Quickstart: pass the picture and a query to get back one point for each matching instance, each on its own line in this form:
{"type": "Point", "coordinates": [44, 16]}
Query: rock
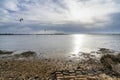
{"type": "Point", "coordinates": [5, 52]}
{"type": "Point", "coordinates": [92, 78]}
{"type": "Point", "coordinates": [104, 50]}
{"type": "Point", "coordinates": [26, 54]}
{"type": "Point", "coordinates": [111, 64]}
{"type": "Point", "coordinates": [105, 77]}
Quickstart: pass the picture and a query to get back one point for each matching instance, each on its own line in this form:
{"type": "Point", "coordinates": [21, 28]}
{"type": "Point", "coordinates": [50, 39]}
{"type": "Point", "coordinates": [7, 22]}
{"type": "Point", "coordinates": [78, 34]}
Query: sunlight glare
{"type": "Point", "coordinates": [78, 41]}
{"type": "Point", "coordinates": [80, 12]}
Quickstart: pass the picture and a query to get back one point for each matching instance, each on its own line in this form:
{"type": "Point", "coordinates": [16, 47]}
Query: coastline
{"type": "Point", "coordinates": [29, 68]}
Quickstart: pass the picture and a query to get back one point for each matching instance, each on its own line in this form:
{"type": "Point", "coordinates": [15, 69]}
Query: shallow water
{"type": "Point", "coordinates": [59, 45]}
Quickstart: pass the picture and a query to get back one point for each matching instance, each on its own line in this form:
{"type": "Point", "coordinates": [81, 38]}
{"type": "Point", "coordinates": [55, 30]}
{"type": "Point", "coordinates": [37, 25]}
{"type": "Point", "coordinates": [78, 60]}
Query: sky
{"type": "Point", "coordinates": [60, 16]}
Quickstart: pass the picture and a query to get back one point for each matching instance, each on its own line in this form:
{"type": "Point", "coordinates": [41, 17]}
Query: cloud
{"type": "Point", "coordinates": [60, 11]}
{"type": "Point", "coordinates": [9, 5]}
{"type": "Point", "coordinates": [63, 15]}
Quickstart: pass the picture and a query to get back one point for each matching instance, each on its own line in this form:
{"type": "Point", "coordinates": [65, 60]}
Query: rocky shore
{"type": "Point", "coordinates": [25, 67]}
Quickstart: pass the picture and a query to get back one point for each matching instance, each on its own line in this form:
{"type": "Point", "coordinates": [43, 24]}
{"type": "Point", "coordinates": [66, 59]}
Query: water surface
{"type": "Point", "coordinates": [59, 45]}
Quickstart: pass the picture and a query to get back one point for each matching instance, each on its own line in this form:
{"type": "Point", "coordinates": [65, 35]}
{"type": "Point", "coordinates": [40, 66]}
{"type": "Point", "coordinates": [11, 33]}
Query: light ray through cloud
{"type": "Point", "coordinates": [81, 13]}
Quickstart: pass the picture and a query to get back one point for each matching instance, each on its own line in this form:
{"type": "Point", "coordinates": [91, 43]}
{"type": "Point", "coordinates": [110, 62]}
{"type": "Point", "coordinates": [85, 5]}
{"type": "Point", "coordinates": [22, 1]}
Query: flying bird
{"type": "Point", "coordinates": [21, 19]}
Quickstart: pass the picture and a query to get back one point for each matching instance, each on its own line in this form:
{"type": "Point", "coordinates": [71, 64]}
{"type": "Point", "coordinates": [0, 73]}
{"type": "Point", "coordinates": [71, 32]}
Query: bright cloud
{"type": "Point", "coordinates": [9, 5]}
{"type": "Point", "coordinates": [59, 12]}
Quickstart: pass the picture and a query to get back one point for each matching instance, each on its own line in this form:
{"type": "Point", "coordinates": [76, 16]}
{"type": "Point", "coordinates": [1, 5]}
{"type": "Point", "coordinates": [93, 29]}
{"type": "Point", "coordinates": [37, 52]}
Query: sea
{"type": "Point", "coordinates": [59, 45]}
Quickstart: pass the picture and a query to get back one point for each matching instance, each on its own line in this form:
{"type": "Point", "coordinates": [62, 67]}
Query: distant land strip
{"type": "Point", "coordinates": [35, 34]}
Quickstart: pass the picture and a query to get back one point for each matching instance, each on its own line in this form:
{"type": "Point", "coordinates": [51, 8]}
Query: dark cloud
{"type": "Point", "coordinates": [114, 26]}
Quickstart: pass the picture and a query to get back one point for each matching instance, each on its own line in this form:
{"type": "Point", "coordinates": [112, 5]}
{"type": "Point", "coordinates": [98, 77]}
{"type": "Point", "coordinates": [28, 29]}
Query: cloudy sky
{"type": "Point", "coordinates": [68, 16]}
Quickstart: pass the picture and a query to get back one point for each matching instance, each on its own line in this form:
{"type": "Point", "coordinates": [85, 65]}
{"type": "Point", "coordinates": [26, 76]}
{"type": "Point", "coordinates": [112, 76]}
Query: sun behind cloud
{"type": "Point", "coordinates": [80, 13]}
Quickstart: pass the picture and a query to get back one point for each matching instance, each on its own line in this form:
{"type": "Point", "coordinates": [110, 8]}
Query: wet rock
{"type": "Point", "coordinates": [111, 64]}
{"type": "Point", "coordinates": [104, 50]}
{"type": "Point", "coordinates": [5, 52]}
{"type": "Point", "coordinates": [26, 54]}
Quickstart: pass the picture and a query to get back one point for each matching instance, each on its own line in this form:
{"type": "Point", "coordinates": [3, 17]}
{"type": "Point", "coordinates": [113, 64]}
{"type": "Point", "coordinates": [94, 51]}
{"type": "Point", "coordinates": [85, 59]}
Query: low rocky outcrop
{"type": "Point", "coordinates": [26, 54]}
{"type": "Point", "coordinates": [105, 51]}
{"type": "Point", "coordinates": [111, 64]}
{"type": "Point", "coordinates": [5, 52]}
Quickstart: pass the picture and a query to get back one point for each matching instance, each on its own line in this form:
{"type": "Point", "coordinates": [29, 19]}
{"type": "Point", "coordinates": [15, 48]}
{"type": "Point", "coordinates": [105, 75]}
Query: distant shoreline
{"type": "Point", "coordinates": [37, 34]}
{"type": "Point", "coordinates": [60, 34]}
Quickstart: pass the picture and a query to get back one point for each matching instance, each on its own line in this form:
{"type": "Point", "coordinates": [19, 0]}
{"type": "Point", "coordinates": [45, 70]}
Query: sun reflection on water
{"type": "Point", "coordinates": [78, 41]}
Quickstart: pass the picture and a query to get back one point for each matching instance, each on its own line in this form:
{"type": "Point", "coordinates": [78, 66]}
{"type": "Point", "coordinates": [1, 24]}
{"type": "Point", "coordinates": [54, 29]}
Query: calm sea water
{"type": "Point", "coordinates": [60, 45]}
